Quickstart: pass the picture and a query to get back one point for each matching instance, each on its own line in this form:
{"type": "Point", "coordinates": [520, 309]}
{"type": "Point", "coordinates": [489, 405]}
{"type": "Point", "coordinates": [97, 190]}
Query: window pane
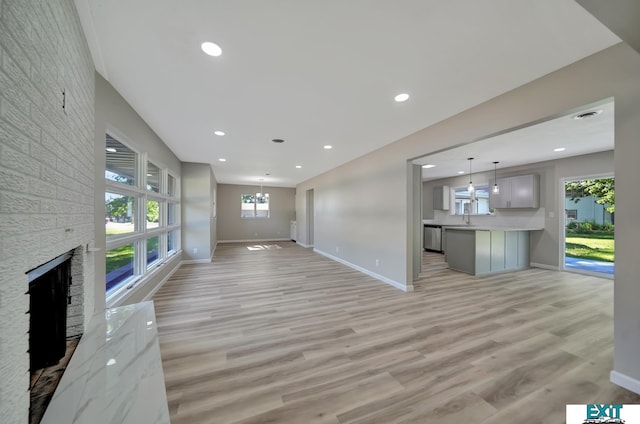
{"type": "Point", "coordinates": [119, 213]}
{"type": "Point", "coordinates": [482, 200]}
{"type": "Point", "coordinates": [171, 213]}
{"type": "Point", "coordinates": [478, 201]}
{"type": "Point", "coordinates": [171, 241]}
{"type": "Point", "coordinates": [153, 178]}
{"type": "Point", "coordinates": [153, 214]}
{"type": "Point", "coordinates": [152, 250]}
{"type": "Point", "coordinates": [121, 162]}
{"type": "Point", "coordinates": [262, 206]}
{"type": "Point", "coordinates": [247, 206]}
{"type": "Point", "coordinates": [171, 186]}
{"type": "Point", "coordinates": [119, 265]}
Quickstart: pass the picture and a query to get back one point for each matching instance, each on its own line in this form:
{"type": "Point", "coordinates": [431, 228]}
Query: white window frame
{"type": "Point", "coordinates": [142, 272]}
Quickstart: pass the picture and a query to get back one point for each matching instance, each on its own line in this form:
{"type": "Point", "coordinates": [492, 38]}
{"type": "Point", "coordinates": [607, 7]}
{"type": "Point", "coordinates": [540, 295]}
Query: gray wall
{"type": "Point", "coordinates": [114, 115]}
{"type": "Point", "coordinates": [231, 227]}
{"type": "Point", "coordinates": [198, 185]}
{"type": "Point", "coordinates": [545, 245]}
{"type": "Point", "coordinates": [377, 226]}
{"type": "Point", "coordinates": [46, 169]}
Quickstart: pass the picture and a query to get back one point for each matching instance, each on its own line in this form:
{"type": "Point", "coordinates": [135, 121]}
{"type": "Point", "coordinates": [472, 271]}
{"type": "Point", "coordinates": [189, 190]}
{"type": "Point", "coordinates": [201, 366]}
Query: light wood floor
{"type": "Point", "coordinates": [283, 335]}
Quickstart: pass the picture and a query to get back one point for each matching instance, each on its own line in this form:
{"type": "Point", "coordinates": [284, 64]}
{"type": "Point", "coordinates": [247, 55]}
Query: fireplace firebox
{"type": "Point", "coordinates": [48, 300]}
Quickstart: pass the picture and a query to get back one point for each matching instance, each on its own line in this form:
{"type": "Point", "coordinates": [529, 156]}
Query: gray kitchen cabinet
{"type": "Point", "coordinates": [522, 191]}
{"type": "Point", "coordinates": [480, 252]}
{"type": "Point", "coordinates": [441, 198]}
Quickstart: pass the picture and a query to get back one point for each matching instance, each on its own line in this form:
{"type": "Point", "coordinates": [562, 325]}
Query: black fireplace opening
{"type": "Point", "coordinates": [48, 299]}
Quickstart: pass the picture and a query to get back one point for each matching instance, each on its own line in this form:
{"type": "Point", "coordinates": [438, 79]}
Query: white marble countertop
{"type": "Point", "coordinates": [488, 228]}
{"type": "Point", "coordinates": [115, 374]}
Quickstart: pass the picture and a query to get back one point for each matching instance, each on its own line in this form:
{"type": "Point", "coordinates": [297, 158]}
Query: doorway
{"type": "Point", "coordinates": [310, 216]}
{"type": "Point", "coordinates": [589, 224]}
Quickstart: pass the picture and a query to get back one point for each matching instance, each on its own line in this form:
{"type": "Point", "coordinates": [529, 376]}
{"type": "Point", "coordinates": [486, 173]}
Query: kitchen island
{"type": "Point", "coordinates": [485, 250]}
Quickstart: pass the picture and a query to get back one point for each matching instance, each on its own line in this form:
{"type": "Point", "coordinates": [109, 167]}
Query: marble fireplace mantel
{"type": "Point", "coordinates": [115, 374]}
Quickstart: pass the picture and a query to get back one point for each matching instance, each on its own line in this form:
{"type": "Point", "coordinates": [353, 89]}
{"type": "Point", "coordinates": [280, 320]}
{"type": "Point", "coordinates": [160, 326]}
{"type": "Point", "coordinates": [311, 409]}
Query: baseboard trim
{"type": "Point", "coordinates": [196, 261]}
{"type": "Point", "coordinates": [306, 246]}
{"type": "Point", "coordinates": [382, 278]}
{"type": "Point", "coordinates": [625, 381]}
{"type": "Point", "coordinates": [254, 240]}
{"type": "Point", "coordinates": [544, 266]}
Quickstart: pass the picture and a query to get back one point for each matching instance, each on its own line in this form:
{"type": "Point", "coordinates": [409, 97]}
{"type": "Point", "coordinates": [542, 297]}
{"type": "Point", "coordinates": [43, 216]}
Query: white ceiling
{"type": "Point", "coordinates": [535, 143]}
{"type": "Point", "coordinates": [321, 72]}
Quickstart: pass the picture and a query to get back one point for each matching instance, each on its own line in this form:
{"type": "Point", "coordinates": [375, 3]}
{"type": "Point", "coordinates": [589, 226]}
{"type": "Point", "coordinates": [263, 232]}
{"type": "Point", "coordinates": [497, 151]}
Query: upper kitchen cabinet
{"type": "Point", "coordinates": [441, 198]}
{"type": "Point", "coordinates": [522, 191]}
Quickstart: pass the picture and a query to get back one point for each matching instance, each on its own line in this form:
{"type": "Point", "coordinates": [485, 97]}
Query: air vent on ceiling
{"type": "Point", "coordinates": [589, 114]}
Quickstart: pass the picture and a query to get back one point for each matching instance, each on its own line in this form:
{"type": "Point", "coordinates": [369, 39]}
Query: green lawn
{"type": "Point", "coordinates": [123, 255]}
{"type": "Point", "coordinates": [594, 246]}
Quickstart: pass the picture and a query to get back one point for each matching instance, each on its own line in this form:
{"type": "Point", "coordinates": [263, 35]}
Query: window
{"type": "Point", "coordinates": [142, 216]}
{"type": "Point", "coordinates": [121, 165]}
{"type": "Point", "coordinates": [477, 201]}
{"type": "Point", "coordinates": [118, 212]}
{"type": "Point", "coordinates": [153, 178]}
{"type": "Point", "coordinates": [571, 213]}
{"type": "Point", "coordinates": [254, 206]}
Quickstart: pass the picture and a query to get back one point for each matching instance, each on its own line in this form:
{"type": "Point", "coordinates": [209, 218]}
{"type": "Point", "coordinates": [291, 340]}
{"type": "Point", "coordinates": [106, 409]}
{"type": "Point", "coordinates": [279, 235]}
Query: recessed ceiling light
{"type": "Point", "coordinates": [460, 172]}
{"type": "Point", "coordinates": [111, 149]}
{"type": "Point", "coordinates": [149, 175]}
{"type": "Point", "coordinates": [559, 149]}
{"type": "Point", "coordinates": [222, 160]}
{"type": "Point", "coordinates": [219, 133]}
{"type": "Point", "coordinates": [212, 49]}
{"type": "Point", "coordinates": [589, 114]}
{"type": "Point", "coordinates": [328, 147]}
{"type": "Point", "coordinates": [298, 166]}
{"type": "Point", "coordinates": [428, 166]}
{"type": "Point", "coordinates": [403, 97]}
{"type": "Point", "coordinates": [278, 140]}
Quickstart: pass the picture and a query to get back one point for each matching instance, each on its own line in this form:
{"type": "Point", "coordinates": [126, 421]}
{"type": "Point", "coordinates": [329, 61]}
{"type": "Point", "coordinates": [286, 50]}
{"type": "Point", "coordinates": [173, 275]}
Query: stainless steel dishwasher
{"type": "Point", "coordinates": [433, 237]}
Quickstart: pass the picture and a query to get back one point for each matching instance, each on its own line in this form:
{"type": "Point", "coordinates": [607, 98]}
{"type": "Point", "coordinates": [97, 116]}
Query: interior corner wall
{"type": "Point", "coordinates": [232, 227]}
{"type": "Point", "coordinates": [114, 115]}
{"type": "Point", "coordinates": [198, 186]}
{"type": "Point", "coordinates": [46, 169]}
{"type": "Point", "coordinates": [348, 218]}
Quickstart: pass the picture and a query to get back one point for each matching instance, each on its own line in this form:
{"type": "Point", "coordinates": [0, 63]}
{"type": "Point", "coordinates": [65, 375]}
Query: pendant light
{"type": "Point", "coordinates": [496, 188]}
{"type": "Point", "coordinates": [470, 188]}
{"type": "Point", "coordinates": [259, 195]}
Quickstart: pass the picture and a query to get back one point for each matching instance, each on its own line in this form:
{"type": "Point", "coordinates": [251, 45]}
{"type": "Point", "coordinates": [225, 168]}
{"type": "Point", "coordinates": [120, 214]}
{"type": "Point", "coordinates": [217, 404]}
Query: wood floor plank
{"type": "Point", "coordinates": [274, 333]}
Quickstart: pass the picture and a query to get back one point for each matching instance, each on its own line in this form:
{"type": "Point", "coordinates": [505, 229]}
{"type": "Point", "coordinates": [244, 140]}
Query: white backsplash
{"type": "Point", "coordinates": [518, 218]}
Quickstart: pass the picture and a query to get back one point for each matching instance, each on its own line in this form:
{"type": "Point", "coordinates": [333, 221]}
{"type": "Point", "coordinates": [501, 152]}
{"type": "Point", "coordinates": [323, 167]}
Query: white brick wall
{"type": "Point", "coordinates": [46, 168]}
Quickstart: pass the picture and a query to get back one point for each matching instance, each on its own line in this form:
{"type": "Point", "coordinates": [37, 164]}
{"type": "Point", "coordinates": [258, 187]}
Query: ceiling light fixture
{"type": "Point", "coordinates": [496, 188]}
{"type": "Point", "coordinates": [460, 172]}
{"type": "Point", "coordinates": [427, 166]}
{"type": "Point", "coordinates": [298, 166]}
{"type": "Point", "coordinates": [402, 97]}
{"type": "Point", "coordinates": [222, 160]}
{"type": "Point", "coordinates": [470, 188]}
{"type": "Point", "coordinates": [111, 149]}
{"type": "Point", "coordinates": [212, 49]}
{"type": "Point", "coordinates": [219, 133]}
{"type": "Point", "coordinates": [260, 195]}
{"type": "Point", "coordinates": [559, 149]}
{"type": "Point", "coordinates": [328, 147]}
